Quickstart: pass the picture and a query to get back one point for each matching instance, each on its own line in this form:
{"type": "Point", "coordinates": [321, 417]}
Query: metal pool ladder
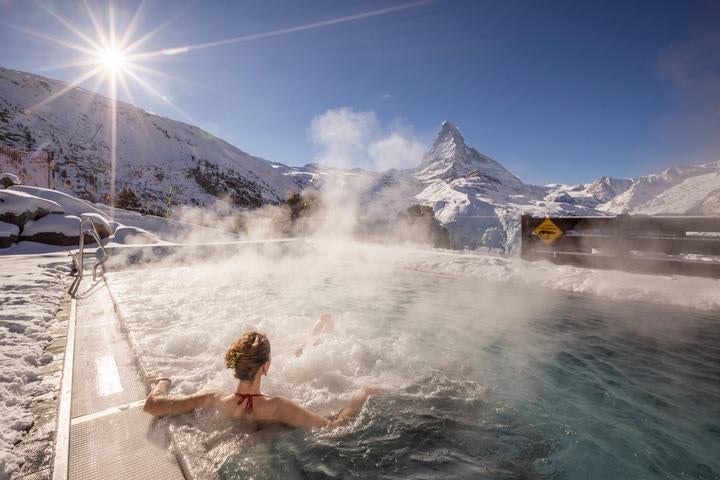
{"type": "Point", "coordinates": [87, 226]}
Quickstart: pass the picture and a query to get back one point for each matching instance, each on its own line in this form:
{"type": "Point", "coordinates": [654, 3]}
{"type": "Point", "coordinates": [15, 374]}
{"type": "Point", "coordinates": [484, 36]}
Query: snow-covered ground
{"type": "Point", "coordinates": [31, 287]}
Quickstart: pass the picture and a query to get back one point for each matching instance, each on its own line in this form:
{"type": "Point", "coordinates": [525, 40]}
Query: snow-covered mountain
{"type": "Point", "coordinates": [682, 190]}
{"type": "Point", "coordinates": [476, 198]}
{"type": "Point", "coordinates": [159, 160]}
{"type": "Point", "coordinates": [605, 188]}
{"type": "Point", "coordinates": [480, 201]}
{"type": "Point", "coordinates": [450, 158]}
{"type": "Point", "coordinates": [162, 160]}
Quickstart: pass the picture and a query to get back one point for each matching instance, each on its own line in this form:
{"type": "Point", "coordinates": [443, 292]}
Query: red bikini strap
{"type": "Point", "coordinates": [247, 399]}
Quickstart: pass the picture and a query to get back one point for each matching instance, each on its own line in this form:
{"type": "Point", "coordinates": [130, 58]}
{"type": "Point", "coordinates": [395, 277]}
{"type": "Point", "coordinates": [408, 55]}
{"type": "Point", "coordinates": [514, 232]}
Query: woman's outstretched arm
{"type": "Point", "coordinates": [353, 407]}
{"type": "Point", "coordinates": [160, 403]}
{"type": "Point", "coordinates": [292, 414]}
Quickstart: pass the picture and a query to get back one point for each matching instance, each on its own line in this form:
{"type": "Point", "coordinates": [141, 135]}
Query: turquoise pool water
{"type": "Point", "coordinates": [482, 381]}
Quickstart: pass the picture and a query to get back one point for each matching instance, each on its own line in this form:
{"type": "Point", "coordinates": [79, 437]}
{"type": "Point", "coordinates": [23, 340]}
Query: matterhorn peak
{"type": "Point", "coordinates": [449, 132]}
{"type": "Point", "coordinates": [451, 158]}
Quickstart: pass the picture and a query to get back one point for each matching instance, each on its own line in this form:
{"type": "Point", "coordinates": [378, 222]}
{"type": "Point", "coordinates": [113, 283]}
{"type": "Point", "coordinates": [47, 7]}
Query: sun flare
{"type": "Point", "coordinates": [113, 59]}
{"type": "Point", "coordinates": [112, 56]}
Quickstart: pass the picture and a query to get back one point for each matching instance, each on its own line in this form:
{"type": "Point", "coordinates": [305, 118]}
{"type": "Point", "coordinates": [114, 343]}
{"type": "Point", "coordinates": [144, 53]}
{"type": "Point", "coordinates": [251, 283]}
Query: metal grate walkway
{"type": "Point", "coordinates": [110, 436]}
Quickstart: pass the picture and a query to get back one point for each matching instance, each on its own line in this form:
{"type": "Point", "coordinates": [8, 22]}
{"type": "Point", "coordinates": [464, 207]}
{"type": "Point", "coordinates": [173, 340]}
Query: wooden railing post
{"type": "Point", "coordinates": [525, 236]}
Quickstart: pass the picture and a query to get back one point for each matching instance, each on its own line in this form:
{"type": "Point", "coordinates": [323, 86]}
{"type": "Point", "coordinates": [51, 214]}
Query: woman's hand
{"type": "Point", "coordinates": [354, 406]}
{"type": "Point", "coordinates": [155, 378]}
{"type": "Point", "coordinates": [157, 384]}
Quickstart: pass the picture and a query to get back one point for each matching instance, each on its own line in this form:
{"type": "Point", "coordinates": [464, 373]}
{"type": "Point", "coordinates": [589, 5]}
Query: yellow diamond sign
{"type": "Point", "coordinates": [548, 232]}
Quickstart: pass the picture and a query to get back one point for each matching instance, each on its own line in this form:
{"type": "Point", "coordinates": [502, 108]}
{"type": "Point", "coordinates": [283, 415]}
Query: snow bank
{"type": "Point", "coordinates": [66, 225]}
{"type": "Point", "coordinates": [70, 205]}
{"type": "Point", "coordinates": [104, 226]}
{"type": "Point", "coordinates": [63, 228]}
{"type": "Point", "coordinates": [30, 291]}
{"type": "Point", "coordinates": [73, 206]}
{"type": "Point", "coordinates": [19, 207]}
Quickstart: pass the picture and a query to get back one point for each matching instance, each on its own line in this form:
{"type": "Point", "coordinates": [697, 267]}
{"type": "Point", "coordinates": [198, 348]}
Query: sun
{"type": "Point", "coordinates": [113, 59]}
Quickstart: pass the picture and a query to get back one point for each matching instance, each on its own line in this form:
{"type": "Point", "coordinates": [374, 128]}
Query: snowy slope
{"type": "Point", "coordinates": [154, 154]}
{"type": "Point", "coordinates": [605, 188]}
{"type": "Point", "coordinates": [303, 177]}
{"type": "Point", "coordinates": [691, 190]}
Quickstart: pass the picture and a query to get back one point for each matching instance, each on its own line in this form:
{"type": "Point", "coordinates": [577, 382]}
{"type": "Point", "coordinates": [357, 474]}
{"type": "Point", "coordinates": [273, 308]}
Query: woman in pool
{"type": "Point", "coordinates": [249, 358]}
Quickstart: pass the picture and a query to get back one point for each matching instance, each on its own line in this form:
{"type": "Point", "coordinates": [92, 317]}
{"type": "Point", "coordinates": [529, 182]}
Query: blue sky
{"type": "Point", "coordinates": [559, 91]}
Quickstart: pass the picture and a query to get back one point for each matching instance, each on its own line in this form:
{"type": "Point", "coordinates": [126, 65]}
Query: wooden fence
{"type": "Point", "coordinates": [35, 168]}
{"type": "Point", "coordinates": [681, 245]}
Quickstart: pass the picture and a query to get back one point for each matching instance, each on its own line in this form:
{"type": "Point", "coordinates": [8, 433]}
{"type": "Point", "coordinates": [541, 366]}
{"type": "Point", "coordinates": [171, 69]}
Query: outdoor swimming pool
{"type": "Point", "coordinates": [481, 380]}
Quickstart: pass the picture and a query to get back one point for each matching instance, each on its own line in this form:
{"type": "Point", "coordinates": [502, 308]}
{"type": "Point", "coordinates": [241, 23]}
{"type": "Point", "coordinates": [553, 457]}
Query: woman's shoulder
{"type": "Point", "coordinates": [274, 405]}
{"type": "Point", "coordinates": [213, 397]}
{"type": "Point", "coordinates": [277, 401]}
{"type": "Point", "coordinates": [212, 393]}
{"type": "Point", "coordinates": [291, 413]}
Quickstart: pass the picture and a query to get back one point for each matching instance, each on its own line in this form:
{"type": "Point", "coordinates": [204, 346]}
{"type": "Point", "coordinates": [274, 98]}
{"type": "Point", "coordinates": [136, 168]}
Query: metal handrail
{"type": "Point", "coordinates": [87, 226]}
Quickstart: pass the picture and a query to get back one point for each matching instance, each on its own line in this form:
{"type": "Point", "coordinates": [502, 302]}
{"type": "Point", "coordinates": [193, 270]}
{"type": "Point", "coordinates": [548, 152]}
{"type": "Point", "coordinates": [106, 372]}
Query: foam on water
{"type": "Point", "coordinates": [481, 381]}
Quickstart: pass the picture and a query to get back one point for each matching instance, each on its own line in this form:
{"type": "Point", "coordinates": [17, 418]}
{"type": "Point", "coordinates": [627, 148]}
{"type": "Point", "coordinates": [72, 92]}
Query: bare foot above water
{"type": "Point", "coordinates": [323, 326]}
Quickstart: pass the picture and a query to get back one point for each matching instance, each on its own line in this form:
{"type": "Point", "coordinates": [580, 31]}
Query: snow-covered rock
{"type": "Point", "coordinates": [159, 160]}
{"type": "Point", "coordinates": [9, 234]}
{"type": "Point", "coordinates": [19, 207]}
{"type": "Point", "coordinates": [70, 205]}
{"type": "Point", "coordinates": [8, 179]}
{"type": "Point", "coordinates": [53, 229]}
{"type": "Point", "coordinates": [103, 225]}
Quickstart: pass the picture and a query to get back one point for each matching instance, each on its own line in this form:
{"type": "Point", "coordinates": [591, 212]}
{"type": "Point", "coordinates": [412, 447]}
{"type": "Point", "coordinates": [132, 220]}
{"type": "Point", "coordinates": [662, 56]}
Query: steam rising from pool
{"type": "Point", "coordinates": [481, 380]}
